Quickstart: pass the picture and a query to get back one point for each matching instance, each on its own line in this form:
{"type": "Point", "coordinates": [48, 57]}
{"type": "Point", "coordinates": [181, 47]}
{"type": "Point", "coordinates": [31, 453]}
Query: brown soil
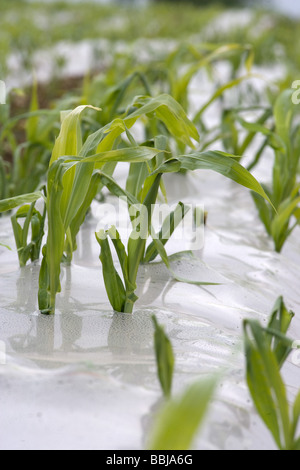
{"type": "Point", "coordinates": [47, 94]}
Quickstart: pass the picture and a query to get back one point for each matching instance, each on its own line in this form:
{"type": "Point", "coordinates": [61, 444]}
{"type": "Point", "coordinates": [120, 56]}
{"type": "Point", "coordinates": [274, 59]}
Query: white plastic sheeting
{"type": "Point", "coordinates": [86, 378]}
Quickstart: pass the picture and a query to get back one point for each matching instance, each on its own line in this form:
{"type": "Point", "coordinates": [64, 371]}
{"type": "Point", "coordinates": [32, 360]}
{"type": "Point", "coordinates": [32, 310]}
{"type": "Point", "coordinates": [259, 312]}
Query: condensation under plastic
{"type": "Point", "coordinates": [86, 377]}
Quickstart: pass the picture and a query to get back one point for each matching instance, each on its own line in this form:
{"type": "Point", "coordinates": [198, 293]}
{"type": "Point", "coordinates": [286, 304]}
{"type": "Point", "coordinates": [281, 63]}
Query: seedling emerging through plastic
{"type": "Point", "coordinates": [73, 181]}
{"type": "Point", "coordinates": [76, 171]}
{"type": "Point", "coordinates": [121, 293]}
{"type": "Point", "coordinates": [285, 191]}
{"type": "Point", "coordinates": [266, 351]}
{"type": "Point", "coordinates": [164, 358]}
{"type": "Point", "coordinates": [32, 219]}
{"type": "Point", "coordinates": [176, 424]}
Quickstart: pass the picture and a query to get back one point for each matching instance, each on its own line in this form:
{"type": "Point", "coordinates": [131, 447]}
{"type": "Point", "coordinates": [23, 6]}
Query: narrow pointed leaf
{"type": "Point", "coordinates": [69, 141]}
{"type": "Point", "coordinates": [113, 283]}
{"type": "Point", "coordinates": [280, 321]}
{"type": "Point", "coordinates": [5, 246]}
{"type": "Point", "coordinates": [169, 225]}
{"type": "Point", "coordinates": [178, 422]}
{"type": "Point", "coordinates": [164, 358]}
{"type": "Point", "coordinates": [260, 389]}
{"type": "Point", "coordinates": [11, 203]}
{"type": "Point", "coordinates": [170, 112]}
{"type": "Point", "coordinates": [137, 240]}
{"type": "Point", "coordinates": [32, 121]}
{"type": "Point", "coordinates": [296, 418]}
{"type": "Point", "coordinates": [137, 154]}
{"type": "Point", "coordinates": [222, 163]}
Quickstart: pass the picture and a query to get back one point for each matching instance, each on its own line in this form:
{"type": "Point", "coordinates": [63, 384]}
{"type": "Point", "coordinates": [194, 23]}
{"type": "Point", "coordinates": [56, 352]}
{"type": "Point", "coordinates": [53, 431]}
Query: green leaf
{"type": "Point", "coordinates": [170, 112]}
{"type": "Point", "coordinates": [280, 224]}
{"type": "Point", "coordinates": [180, 86]}
{"type": "Point", "coordinates": [115, 95]}
{"type": "Point", "coordinates": [44, 283]}
{"type": "Point", "coordinates": [219, 93]}
{"type": "Point", "coordinates": [69, 141]}
{"type": "Point", "coordinates": [255, 128]}
{"type": "Point", "coordinates": [113, 283]}
{"type": "Point", "coordinates": [169, 225]}
{"type": "Point", "coordinates": [138, 173]}
{"type": "Point", "coordinates": [12, 203]}
{"type": "Point", "coordinates": [131, 298]}
{"type": "Point", "coordinates": [220, 162]}
{"type": "Point", "coordinates": [176, 425]}
{"type": "Point", "coordinates": [297, 445]}
{"type": "Point", "coordinates": [103, 139]}
{"type": "Point", "coordinates": [131, 155]}
{"type": "Point", "coordinates": [80, 216]}
{"type": "Point", "coordinates": [265, 383]}
{"type": "Point", "coordinates": [280, 322]}
{"type": "Point", "coordinates": [5, 246]}
{"type": "Point", "coordinates": [260, 389]}
{"type": "Point", "coordinates": [264, 211]}
{"type": "Point", "coordinates": [54, 249]}
{"type": "Point", "coordinates": [284, 110]}
{"type": "Point", "coordinates": [68, 197]}
{"type": "Point", "coordinates": [77, 193]}
{"type": "Point", "coordinates": [160, 250]}
{"type": "Point", "coordinates": [21, 234]}
{"type": "Point", "coordinates": [296, 419]}
{"type": "Point", "coordinates": [252, 134]}
{"type": "Point", "coordinates": [32, 121]}
{"type": "Point", "coordinates": [122, 298]}
{"type": "Point", "coordinates": [116, 189]}
{"type": "Point", "coordinates": [164, 358]}
{"type": "Point", "coordinates": [3, 179]}
{"type": "Point", "coordinates": [138, 238]}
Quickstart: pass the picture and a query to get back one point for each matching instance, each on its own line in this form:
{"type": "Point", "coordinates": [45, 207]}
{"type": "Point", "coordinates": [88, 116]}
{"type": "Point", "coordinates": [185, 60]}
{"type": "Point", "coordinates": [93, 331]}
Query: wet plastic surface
{"type": "Point", "coordinates": [86, 378]}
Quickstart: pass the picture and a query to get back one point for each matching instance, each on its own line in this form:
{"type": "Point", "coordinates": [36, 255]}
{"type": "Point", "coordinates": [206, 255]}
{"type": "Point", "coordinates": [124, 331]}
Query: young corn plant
{"type": "Point", "coordinates": [73, 180]}
{"type": "Point", "coordinates": [285, 190]}
{"type": "Point", "coordinates": [75, 173]}
{"type": "Point", "coordinates": [197, 58]}
{"type": "Point", "coordinates": [142, 188]}
{"type": "Point", "coordinates": [121, 100]}
{"type": "Point", "coordinates": [142, 197]}
{"type": "Point", "coordinates": [122, 295]}
{"type": "Point", "coordinates": [35, 221]}
{"type": "Point", "coordinates": [176, 424]}
{"type": "Point", "coordinates": [266, 351]}
{"type": "Point", "coordinates": [121, 292]}
{"type": "Point", "coordinates": [176, 72]}
{"type": "Point", "coordinates": [76, 170]}
{"type": "Point", "coordinates": [168, 75]}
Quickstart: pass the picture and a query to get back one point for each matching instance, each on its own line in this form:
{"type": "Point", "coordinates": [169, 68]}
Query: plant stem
{"type": "Point", "coordinates": [128, 307]}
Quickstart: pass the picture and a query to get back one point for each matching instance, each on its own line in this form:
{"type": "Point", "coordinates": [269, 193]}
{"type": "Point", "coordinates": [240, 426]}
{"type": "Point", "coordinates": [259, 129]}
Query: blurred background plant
{"type": "Point", "coordinates": [106, 53]}
{"type": "Point", "coordinates": [23, 33]}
